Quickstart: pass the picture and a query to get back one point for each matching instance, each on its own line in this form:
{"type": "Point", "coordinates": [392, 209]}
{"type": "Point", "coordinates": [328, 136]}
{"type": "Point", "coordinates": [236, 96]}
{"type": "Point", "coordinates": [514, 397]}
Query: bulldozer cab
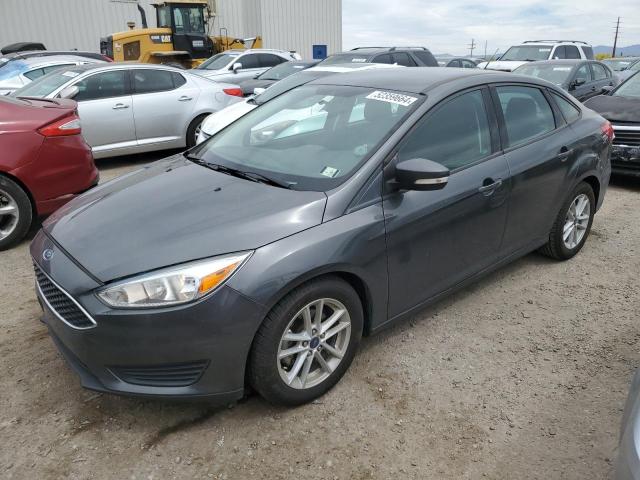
{"type": "Point", "coordinates": [187, 21]}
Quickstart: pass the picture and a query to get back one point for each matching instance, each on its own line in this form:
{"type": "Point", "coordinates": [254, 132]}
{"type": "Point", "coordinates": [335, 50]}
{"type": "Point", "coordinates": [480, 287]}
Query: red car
{"type": "Point", "coordinates": [44, 162]}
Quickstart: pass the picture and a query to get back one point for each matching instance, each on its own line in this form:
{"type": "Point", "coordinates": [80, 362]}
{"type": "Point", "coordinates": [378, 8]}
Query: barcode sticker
{"type": "Point", "coordinates": [391, 97]}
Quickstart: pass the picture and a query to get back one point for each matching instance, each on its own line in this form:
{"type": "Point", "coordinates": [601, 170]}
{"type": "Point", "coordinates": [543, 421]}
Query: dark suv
{"type": "Point", "coordinates": [406, 56]}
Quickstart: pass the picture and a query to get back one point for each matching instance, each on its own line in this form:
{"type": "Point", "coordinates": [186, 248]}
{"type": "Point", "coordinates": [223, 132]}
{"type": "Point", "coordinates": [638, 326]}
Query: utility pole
{"type": "Point", "coordinates": [485, 49]}
{"type": "Point", "coordinates": [472, 47]}
{"type": "Point", "coordinates": [615, 40]}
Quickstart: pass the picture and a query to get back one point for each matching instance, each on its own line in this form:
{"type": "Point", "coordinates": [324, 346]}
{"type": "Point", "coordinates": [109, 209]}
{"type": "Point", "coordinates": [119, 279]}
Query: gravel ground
{"type": "Point", "coordinates": [521, 376]}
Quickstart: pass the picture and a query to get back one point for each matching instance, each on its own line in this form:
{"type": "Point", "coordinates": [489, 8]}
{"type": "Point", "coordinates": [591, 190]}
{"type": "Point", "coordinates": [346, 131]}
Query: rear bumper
{"type": "Point", "coordinates": [46, 207]}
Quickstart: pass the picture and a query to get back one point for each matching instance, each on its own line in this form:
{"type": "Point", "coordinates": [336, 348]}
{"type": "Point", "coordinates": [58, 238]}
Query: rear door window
{"type": "Point", "coordinates": [426, 57]}
{"type": "Point", "coordinates": [456, 134]}
{"type": "Point", "coordinates": [102, 85]}
{"type": "Point", "coordinates": [526, 112]}
{"type": "Point", "coordinates": [151, 81]}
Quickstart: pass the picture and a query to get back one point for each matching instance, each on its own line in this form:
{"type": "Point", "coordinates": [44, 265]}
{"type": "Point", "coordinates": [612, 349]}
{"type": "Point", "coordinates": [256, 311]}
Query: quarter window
{"type": "Point", "coordinates": [33, 74]}
{"type": "Point", "coordinates": [569, 111]}
{"type": "Point", "coordinates": [526, 112]}
{"type": "Point", "coordinates": [102, 85]}
{"type": "Point", "coordinates": [386, 58]}
{"type": "Point", "coordinates": [150, 81]}
{"type": "Point", "coordinates": [456, 134]}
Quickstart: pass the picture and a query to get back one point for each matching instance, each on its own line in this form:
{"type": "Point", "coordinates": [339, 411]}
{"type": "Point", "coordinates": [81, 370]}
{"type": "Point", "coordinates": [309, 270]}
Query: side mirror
{"type": "Point", "coordinates": [258, 90]}
{"type": "Point", "coordinates": [69, 92]}
{"type": "Point", "coordinates": [236, 66]}
{"type": "Point", "coordinates": [579, 81]}
{"type": "Point", "coordinates": [421, 174]}
{"type": "Point", "coordinates": [607, 89]}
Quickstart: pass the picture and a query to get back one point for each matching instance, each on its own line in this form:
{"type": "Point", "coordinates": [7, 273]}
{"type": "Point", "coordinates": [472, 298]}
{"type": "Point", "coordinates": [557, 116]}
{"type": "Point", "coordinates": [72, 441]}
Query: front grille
{"type": "Point", "coordinates": [62, 305]}
{"type": "Point", "coordinates": [176, 375]}
{"type": "Point", "coordinates": [626, 137]}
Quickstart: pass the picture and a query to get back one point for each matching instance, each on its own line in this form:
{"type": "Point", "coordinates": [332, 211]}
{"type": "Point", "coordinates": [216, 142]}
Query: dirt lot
{"type": "Point", "coordinates": [522, 376]}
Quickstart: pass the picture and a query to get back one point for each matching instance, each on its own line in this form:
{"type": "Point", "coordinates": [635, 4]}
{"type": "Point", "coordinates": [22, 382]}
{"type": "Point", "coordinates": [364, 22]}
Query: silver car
{"type": "Point", "coordinates": [236, 65]}
{"type": "Point", "coordinates": [16, 74]}
{"type": "Point", "coordinates": [131, 108]}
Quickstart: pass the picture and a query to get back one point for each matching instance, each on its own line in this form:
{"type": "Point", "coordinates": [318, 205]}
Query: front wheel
{"type": "Point", "coordinates": [15, 213]}
{"type": "Point", "coordinates": [306, 342]}
{"type": "Point", "coordinates": [573, 224]}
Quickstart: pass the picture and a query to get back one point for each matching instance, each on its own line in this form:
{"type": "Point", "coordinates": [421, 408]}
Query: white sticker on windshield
{"type": "Point", "coordinates": [71, 74]}
{"type": "Point", "coordinates": [391, 97]}
{"type": "Point", "coordinates": [544, 49]}
{"type": "Point", "coordinates": [358, 60]}
{"type": "Point", "coordinates": [329, 172]}
{"type": "Point", "coordinates": [561, 69]}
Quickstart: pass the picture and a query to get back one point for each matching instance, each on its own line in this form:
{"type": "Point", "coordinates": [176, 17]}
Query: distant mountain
{"type": "Point", "coordinates": [631, 50]}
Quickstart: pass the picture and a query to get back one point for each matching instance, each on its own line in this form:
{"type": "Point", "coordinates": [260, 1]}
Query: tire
{"type": "Point", "coordinates": [559, 248]}
{"type": "Point", "coordinates": [16, 221]}
{"type": "Point", "coordinates": [192, 131]}
{"type": "Point", "coordinates": [268, 372]}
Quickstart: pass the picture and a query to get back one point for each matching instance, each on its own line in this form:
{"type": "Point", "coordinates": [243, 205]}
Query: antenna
{"type": "Point", "coordinates": [491, 59]}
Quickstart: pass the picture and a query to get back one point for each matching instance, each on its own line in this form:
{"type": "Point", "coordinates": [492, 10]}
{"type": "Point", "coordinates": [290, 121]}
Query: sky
{"type": "Point", "coordinates": [447, 26]}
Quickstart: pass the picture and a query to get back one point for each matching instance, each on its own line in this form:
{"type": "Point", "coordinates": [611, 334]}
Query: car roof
{"type": "Point", "coordinates": [413, 80]}
{"type": "Point", "coordinates": [257, 50]}
{"type": "Point", "coordinates": [123, 66]}
{"type": "Point", "coordinates": [33, 61]}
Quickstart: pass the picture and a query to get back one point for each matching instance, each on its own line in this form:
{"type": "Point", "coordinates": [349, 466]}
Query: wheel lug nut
{"type": "Point", "coordinates": [304, 344]}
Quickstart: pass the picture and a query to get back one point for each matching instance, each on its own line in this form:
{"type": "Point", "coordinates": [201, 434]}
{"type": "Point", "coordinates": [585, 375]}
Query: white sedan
{"type": "Point", "coordinates": [132, 108]}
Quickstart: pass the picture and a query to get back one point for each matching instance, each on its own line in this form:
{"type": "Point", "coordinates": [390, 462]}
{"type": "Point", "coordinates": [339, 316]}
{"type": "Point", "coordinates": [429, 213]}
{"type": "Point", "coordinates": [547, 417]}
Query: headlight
{"type": "Point", "coordinates": [174, 285]}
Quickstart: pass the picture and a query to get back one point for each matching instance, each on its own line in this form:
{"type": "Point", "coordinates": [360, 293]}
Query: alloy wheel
{"type": "Point", "coordinates": [576, 222]}
{"type": "Point", "coordinates": [314, 343]}
{"type": "Point", "coordinates": [9, 214]}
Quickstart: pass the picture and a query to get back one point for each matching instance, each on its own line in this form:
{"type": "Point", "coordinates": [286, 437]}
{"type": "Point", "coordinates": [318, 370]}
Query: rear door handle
{"type": "Point", "coordinates": [120, 106]}
{"type": "Point", "coordinates": [488, 189]}
{"type": "Point", "coordinates": [184, 98]}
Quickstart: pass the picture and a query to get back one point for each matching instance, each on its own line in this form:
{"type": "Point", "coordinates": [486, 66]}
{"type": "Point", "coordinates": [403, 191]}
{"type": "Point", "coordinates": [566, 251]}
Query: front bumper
{"type": "Point", "coordinates": [194, 351]}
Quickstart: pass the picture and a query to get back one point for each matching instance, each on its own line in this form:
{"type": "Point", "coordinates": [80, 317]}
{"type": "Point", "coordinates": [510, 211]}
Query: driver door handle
{"type": "Point", "coordinates": [185, 98]}
{"type": "Point", "coordinates": [120, 106]}
{"type": "Point", "coordinates": [490, 188]}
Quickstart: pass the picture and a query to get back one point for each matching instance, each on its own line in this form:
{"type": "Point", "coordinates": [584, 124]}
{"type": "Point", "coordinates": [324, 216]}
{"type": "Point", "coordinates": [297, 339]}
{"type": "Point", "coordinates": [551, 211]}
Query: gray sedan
{"type": "Point", "coordinates": [132, 108]}
{"type": "Point", "coordinates": [261, 256]}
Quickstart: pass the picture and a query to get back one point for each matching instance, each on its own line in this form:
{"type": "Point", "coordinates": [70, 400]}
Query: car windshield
{"type": "Point", "coordinates": [47, 84]}
{"type": "Point", "coordinates": [345, 58]}
{"type": "Point", "coordinates": [312, 137]}
{"type": "Point", "coordinates": [630, 88]}
{"type": "Point", "coordinates": [618, 65]}
{"type": "Point", "coordinates": [557, 74]}
{"type": "Point", "coordinates": [527, 53]}
{"type": "Point", "coordinates": [13, 69]}
{"type": "Point", "coordinates": [218, 61]}
{"type": "Point", "coordinates": [281, 71]}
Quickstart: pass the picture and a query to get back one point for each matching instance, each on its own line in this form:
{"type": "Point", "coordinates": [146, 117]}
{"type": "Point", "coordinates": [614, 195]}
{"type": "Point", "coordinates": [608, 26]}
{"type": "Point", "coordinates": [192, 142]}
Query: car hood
{"type": "Point", "coordinates": [175, 211]}
{"type": "Point", "coordinates": [615, 108]}
{"type": "Point", "coordinates": [506, 66]}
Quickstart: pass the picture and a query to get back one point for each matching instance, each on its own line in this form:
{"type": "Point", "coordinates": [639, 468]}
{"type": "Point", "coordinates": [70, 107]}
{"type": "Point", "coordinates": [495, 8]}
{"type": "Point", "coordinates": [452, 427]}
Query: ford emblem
{"type": "Point", "coordinates": [47, 254]}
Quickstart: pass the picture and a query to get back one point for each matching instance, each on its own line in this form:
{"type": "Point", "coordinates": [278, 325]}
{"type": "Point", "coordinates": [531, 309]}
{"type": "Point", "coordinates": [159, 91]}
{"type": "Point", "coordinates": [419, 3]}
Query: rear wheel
{"type": "Point", "coordinates": [307, 342]}
{"type": "Point", "coordinates": [15, 213]}
{"type": "Point", "coordinates": [194, 130]}
{"type": "Point", "coordinates": [573, 224]}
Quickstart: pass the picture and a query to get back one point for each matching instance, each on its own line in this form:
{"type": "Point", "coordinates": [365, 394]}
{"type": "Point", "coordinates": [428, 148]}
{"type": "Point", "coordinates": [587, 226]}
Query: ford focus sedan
{"type": "Point", "coordinates": [262, 256]}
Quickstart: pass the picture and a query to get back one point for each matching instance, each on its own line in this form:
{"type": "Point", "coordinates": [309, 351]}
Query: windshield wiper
{"type": "Point", "coordinates": [251, 176]}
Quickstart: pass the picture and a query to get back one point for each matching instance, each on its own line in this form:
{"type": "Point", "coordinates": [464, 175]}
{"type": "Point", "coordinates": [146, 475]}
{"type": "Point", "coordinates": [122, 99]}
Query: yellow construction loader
{"type": "Point", "coordinates": [181, 36]}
